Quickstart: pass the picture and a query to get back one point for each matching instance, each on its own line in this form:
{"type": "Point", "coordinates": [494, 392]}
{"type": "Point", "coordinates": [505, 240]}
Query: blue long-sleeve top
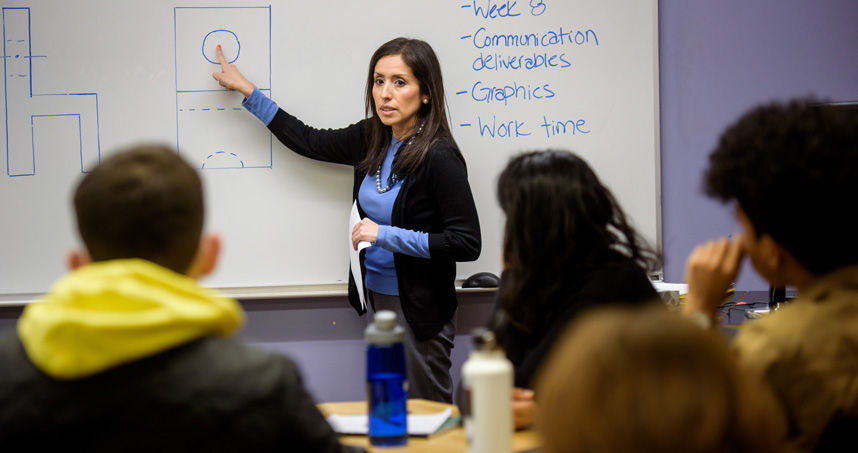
{"type": "Point", "coordinates": [380, 269]}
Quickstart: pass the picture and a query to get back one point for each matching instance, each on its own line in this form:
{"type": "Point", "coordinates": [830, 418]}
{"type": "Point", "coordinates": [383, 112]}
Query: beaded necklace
{"type": "Point", "coordinates": [393, 177]}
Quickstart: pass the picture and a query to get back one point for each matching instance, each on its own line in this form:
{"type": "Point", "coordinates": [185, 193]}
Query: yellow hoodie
{"type": "Point", "coordinates": [113, 312]}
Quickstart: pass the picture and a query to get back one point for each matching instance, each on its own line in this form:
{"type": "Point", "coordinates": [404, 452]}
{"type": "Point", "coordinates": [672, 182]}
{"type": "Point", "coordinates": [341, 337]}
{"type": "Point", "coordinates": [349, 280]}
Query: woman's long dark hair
{"type": "Point", "coordinates": [420, 57]}
{"type": "Point", "coordinates": [560, 220]}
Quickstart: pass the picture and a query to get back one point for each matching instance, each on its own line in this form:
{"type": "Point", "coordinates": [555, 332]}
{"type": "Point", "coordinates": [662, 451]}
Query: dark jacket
{"type": "Point", "coordinates": [615, 281]}
{"type": "Point", "coordinates": [435, 199]}
{"type": "Point", "coordinates": [211, 394]}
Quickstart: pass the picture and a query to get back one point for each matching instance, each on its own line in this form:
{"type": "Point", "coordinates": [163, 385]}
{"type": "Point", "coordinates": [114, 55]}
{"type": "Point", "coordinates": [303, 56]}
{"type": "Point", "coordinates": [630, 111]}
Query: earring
{"type": "Point", "coordinates": [425, 100]}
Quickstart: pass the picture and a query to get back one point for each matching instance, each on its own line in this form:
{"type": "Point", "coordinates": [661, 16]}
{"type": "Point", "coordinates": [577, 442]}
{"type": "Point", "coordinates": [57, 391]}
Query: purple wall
{"type": "Point", "coordinates": [325, 338]}
{"type": "Point", "coordinates": [719, 58]}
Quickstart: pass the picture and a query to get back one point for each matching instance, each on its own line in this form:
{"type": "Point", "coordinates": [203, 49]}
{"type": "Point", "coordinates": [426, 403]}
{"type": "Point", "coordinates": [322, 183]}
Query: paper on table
{"type": "Point", "coordinates": [682, 288]}
{"type": "Point", "coordinates": [418, 425]}
{"type": "Point", "coordinates": [424, 425]}
{"type": "Point", "coordinates": [354, 255]}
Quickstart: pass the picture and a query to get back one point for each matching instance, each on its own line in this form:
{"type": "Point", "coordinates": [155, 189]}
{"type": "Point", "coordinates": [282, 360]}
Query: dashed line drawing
{"type": "Point", "coordinates": [223, 159]}
{"type": "Point", "coordinates": [23, 104]}
{"type": "Point", "coordinates": [211, 132]}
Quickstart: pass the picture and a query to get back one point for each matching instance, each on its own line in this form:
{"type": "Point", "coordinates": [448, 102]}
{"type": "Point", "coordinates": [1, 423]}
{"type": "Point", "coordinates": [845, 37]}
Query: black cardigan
{"type": "Point", "coordinates": [618, 280]}
{"type": "Point", "coordinates": [436, 199]}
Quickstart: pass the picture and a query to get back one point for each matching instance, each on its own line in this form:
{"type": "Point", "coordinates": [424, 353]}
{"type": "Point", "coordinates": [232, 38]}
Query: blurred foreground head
{"type": "Point", "coordinates": [646, 380]}
{"type": "Point", "coordinates": [143, 202]}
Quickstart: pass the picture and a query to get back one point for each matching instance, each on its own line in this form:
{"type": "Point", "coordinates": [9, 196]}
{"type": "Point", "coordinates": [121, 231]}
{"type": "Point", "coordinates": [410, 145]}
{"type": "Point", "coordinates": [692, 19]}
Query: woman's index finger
{"type": "Point", "coordinates": [220, 56]}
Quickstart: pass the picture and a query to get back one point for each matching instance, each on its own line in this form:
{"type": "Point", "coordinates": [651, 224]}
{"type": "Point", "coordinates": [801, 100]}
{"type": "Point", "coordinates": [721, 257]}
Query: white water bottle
{"type": "Point", "coordinates": [487, 379]}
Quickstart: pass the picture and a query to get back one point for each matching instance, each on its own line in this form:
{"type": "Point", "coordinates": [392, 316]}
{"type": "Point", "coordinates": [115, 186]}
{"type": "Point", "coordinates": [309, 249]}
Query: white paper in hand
{"type": "Point", "coordinates": [354, 255]}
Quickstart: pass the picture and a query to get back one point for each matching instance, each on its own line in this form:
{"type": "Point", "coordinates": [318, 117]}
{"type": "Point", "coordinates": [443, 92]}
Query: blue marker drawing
{"type": "Point", "coordinates": [73, 116]}
{"type": "Point", "coordinates": [221, 37]}
{"type": "Point", "coordinates": [212, 130]}
{"type": "Point", "coordinates": [221, 160]}
{"type": "Point", "coordinates": [23, 104]}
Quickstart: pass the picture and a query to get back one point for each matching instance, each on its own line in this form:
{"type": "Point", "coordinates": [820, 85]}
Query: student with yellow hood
{"type": "Point", "coordinates": [128, 353]}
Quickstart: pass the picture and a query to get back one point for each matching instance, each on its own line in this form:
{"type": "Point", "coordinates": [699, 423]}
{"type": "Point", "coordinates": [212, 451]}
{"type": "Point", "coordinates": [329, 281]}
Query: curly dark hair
{"type": "Point", "coordinates": [560, 220]}
{"type": "Point", "coordinates": [791, 168]}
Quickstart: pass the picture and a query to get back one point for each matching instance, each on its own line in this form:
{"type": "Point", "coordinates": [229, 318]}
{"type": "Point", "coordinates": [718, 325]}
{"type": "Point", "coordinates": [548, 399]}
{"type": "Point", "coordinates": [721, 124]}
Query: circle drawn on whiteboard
{"type": "Point", "coordinates": [228, 42]}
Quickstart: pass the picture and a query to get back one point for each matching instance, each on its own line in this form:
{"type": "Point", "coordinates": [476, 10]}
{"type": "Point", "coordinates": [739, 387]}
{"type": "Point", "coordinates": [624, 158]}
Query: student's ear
{"type": "Point", "coordinates": [770, 252]}
{"type": "Point", "coordinates": [776, 258]}
{"type": "Point", "coordinates": [207, 256]}
{"type": "Point", "coordinates": [77, 258]}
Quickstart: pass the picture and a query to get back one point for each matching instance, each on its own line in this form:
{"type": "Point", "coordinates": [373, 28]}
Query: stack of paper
{"type": "Point", "coordinates": [418, 425]}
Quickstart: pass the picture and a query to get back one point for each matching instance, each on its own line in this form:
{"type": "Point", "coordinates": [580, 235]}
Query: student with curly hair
{"type": "Point", "coordinates": [790, 170]}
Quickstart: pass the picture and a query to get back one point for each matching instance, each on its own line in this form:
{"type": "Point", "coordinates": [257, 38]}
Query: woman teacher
{"type": "Point", "coordinates": [412, 192]}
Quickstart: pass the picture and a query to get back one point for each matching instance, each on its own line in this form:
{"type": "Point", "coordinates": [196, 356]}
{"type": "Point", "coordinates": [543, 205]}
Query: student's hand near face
{"type": "Point", "coordinates": [230, 78]}
{"type": "Point", "coordinates": [365, 230]}
{"type": "Point", "coordinates": [523, 407]}
{"type": "Point", "coordinates": [711, 269]}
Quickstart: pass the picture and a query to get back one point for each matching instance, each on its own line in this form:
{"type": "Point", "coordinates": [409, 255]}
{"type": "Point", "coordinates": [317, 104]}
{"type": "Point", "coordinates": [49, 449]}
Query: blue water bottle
{"type": "Point", "coordinates": [386, 382]}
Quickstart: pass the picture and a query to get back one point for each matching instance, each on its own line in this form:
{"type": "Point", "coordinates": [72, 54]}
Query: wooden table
{"type": "Point", "coordinates": [450, 441]}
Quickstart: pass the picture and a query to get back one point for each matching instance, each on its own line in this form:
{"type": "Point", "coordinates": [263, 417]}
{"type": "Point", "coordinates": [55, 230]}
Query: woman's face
{"type": "Point", "coordinates": [397, 95]}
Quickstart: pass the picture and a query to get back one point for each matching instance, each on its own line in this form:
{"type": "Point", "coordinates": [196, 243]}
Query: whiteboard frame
{"type": "Point", "coordinates": [338, 288]}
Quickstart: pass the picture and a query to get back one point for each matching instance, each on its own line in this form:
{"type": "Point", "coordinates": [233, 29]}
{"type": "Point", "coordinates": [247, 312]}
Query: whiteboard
{"type": "Point", "coordinates": [83, 79]}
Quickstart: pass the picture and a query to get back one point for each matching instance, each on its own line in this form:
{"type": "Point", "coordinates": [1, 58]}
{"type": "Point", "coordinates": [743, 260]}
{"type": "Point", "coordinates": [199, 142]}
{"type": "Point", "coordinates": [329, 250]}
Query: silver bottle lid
{"type": "Point", "coordinates": [384, 329]}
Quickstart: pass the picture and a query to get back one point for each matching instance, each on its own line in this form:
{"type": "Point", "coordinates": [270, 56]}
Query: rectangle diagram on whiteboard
{"type": "Point", "coordinates": [212, 131]}
{"type": "Point", "coordinates": [23, 102]}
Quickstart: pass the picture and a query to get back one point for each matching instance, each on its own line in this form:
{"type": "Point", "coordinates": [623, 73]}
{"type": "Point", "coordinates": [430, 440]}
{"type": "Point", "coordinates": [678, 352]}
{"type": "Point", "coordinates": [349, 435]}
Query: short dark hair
{"type": "Point", "coordinates": [586, 230]}
{"type": "Point", "coordinates": [791, 168]}
{"type": "Point", "coordinates": [144, 202]}
{"type": "Point", "coordinates": [423, 62]}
